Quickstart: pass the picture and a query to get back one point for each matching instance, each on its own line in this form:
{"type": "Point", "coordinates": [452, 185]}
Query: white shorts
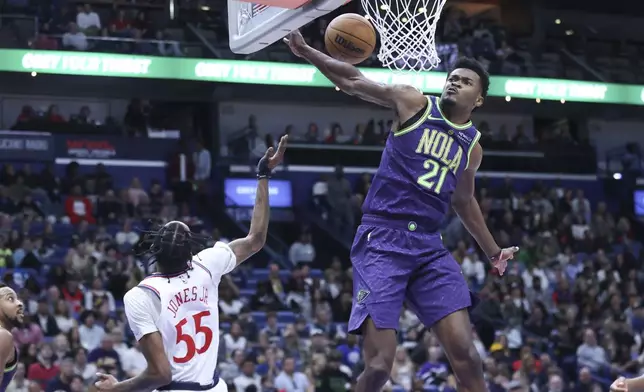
{"type": "Point", "coordinates": [221, 387]}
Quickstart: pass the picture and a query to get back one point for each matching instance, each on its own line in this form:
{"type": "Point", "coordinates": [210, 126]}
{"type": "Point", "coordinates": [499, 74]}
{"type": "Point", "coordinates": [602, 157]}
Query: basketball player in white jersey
{"type": "Point", "coordinates": [173, 313]}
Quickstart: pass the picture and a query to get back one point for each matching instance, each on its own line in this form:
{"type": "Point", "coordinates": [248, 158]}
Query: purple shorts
{"type": "Point", "coordinates": [392, 265]}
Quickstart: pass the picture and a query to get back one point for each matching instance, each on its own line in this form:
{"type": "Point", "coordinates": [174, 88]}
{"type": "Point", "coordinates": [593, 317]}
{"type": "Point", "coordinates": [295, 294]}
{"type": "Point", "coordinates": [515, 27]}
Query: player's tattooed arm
{"type": "Point", "coordinates": [406, 100]}
{"type": "Point", "coordinates": [156, 374]}
{"type": "Point", "coordinates": [468, 209]}
{"type": "Point", "coordinates": [244, 248]}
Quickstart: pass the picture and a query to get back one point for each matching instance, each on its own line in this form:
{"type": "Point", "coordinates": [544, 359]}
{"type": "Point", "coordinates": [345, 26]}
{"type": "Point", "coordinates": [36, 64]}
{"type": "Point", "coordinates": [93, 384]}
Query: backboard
{"type": "Point", "coordinates": [254, 26]}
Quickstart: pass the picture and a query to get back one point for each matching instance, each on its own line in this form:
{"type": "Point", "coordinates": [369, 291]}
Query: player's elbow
{"type": "Point", "coordinates": [161, 376]}
{"type": "Point", "coordinates": [460, 202]}
{"type": "Point", "coordinates": [158, 372]}
{"type": "Point", "coordinates": [257, 241]}
{"type": "Point", "coordinates": [165, 378]}
{"type": "Point", "coordinates": [349, 85]}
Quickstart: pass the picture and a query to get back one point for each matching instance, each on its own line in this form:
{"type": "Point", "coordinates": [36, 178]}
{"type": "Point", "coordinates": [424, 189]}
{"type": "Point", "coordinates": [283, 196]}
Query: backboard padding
{"type": "Point", "coordinates": [253, 26]}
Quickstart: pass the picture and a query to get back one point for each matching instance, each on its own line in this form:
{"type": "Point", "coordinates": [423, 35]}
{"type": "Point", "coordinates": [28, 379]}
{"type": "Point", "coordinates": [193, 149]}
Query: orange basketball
{"type": "Point", "coordinates": [350, 38]}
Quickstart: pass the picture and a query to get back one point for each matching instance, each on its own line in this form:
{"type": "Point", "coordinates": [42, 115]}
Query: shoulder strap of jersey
{"type": "Point", "coordinates": [473, 133]}
{"type": "Point", "coordinates": [427, 112]}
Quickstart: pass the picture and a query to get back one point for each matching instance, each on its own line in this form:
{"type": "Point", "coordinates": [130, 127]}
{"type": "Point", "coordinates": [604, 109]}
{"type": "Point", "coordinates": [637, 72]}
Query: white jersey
{"type": "Point", "coordinates": [184, 309]}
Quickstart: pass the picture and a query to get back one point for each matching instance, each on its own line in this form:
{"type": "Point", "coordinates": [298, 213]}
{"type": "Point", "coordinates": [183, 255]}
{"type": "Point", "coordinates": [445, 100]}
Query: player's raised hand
{"type": "Point", "coordinates": [276, 157]}
{"type": "Point", "coordinates": [105, 382]}
{"type": "Point", "coordinates": [500, 262]}
{"type": "Point", "coordinates": [295, 41]}
{"type": "Point", "coordinates": [619, 385]}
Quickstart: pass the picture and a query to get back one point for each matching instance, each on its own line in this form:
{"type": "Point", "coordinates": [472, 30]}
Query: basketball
{"type": "Point", "coordinates": [350, 38]}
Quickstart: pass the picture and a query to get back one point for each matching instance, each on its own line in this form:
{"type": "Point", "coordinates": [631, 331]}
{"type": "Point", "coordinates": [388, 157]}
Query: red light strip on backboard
{"type": "Point", "coordinates": [289, 4]}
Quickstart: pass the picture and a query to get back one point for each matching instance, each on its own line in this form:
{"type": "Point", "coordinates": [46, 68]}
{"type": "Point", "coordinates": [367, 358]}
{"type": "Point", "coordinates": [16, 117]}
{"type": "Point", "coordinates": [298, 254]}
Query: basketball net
{"type": "Point", "coordinates": [407, 31]}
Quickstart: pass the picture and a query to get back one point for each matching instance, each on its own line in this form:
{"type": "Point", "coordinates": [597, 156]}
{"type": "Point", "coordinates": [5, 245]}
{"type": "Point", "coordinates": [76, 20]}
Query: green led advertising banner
{"type": "Point", "coordinates": [232, 71]}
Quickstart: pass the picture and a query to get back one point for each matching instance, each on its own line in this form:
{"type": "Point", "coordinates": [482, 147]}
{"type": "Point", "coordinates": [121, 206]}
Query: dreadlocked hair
{"type": "Point", "coordinates": [171, 247]}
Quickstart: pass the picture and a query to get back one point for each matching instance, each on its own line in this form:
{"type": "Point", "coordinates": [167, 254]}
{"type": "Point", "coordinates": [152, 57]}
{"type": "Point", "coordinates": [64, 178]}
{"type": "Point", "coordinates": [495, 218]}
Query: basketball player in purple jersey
{"type": "Point", "coordinates": [11, 315]}
{"type": "Point", "coordinates": [429, 161]}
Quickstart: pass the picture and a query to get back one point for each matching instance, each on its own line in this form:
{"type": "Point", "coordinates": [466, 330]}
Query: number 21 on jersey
{"type": "Point", "coordinates": [435, 176]}
{"type": "Point", "coordinates": [185, 337]}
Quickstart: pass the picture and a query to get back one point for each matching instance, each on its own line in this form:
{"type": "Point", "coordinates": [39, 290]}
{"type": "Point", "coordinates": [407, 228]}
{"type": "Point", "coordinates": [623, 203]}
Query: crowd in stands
{"type": "Point", "coordinates": [116, 30]}
{"type": "Point", "coordinates": [130, 29]}
{"type": "Point", "coordinates": [252, 139]}
{"type": "Point", "coordinates": [67, 246]}
{"type": "Point", "coordinates": [138, 118]}
{"type": "Point", "coordinates": [567, 315]}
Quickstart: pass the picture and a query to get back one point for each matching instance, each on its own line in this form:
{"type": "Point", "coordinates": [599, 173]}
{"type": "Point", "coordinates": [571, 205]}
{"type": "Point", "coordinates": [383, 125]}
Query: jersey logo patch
{"type": "Point", "coordinates": [362, 295]}
{"type": "Point", "coordinates": [464, 137]}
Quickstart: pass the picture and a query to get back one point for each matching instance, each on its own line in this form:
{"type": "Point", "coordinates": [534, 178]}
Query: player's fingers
{"type": "Point", "coordinates": [269, 152]}
{"type": "Point", "coordinates": [282, 145]}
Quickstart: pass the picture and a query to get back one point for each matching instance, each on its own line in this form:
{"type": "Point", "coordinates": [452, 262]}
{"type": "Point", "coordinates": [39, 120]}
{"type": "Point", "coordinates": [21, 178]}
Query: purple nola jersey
{"type": "Point", "coordinates": [9, 372]}
{"type": "Point", "coordinates": [419, 169]}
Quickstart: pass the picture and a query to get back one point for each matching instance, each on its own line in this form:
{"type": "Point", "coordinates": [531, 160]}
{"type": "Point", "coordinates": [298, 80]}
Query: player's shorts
{"type": "Point", "coordinates": [221, 387]}
{"type": "Point", "coordinates": [396, 263]}
{"type": "Point", "coordinates": [182, 386]}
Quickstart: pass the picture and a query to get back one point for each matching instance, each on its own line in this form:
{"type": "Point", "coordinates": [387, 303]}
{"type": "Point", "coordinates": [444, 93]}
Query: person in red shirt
{"type": "Point", "coordinates": [73, 294]}
{"type": "Point", "coordinates": [78, 207]}
{"type": "Point", "coordinates": [53, 115]}
{"type": "Point", "coordinates": [527, 362]}
{"type": "Point", "coordinates": [120, 26]}
{"type": "Point", "coordinates": [43, 370]}
{"type": "Point", "coordinates": [26, 114]}
{"type": "Point", "coordinates": [44, 42]}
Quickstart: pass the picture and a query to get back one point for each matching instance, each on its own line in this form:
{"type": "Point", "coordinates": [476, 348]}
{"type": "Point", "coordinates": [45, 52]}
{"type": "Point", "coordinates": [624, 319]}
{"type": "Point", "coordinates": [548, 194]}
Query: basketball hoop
{"type": "Point", "coordinates": [407, 32]}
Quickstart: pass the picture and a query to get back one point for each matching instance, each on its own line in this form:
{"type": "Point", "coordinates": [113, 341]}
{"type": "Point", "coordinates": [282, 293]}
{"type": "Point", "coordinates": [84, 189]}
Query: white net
{"type": "Point", "coordinates": [407, 31]}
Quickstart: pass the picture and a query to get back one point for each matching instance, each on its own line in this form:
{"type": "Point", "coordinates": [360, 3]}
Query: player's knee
{"type": "Point", "coordinates": [466, 361]}
{"type": "Point", "coordinates": [380, 366]}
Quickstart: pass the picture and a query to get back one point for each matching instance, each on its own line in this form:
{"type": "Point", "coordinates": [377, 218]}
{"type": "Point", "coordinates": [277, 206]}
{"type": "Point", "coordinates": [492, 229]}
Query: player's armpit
{"type": "Point", "coordinates": [6, 347]}
{"type": "Point", "coordinates": [157, 372]}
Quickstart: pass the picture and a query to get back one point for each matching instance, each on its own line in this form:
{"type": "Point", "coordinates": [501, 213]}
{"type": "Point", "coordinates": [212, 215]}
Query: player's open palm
{"type": "Point", "coordinates": [501, 261]}
{"type": "Point", "coordinates": [105, 382]}
{"type": "Point", "coordinates": [276, 157]}
{"type": "Point", "coordinates": [295, 42]}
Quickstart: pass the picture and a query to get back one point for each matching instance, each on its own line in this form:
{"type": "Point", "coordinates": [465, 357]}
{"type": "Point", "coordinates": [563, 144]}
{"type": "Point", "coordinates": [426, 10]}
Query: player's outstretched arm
{"type": "Point", "coordinates": [244, 248]}
{"type": "Point", "coordinates": [346, 77]}
{"type": "Point", "coordinates": [468, 209]}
